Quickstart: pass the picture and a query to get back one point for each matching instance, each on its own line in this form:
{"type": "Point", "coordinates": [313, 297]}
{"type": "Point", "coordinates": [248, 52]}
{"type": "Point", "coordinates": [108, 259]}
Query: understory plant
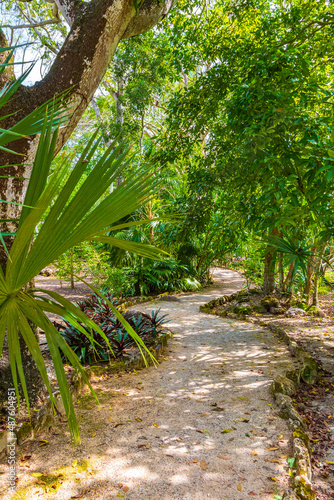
{"type": "Point", "coordinates": [66, 214]}
{"type": "Point", "coordinates": [163, 276]}
{"type": "Point", "coordinates": [147, 327]}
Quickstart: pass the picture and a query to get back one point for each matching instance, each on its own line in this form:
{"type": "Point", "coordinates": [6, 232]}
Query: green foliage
{"type": "Point", "coordinates": [88, 345]}
{"type": "Point", "coordinates": [165, 276]}
{"type": "Point", "coordinates": [83, 261]}
{"type": "Point", "coordinates": [77, 214]}
{"type": "Point", "coordinates": [120, 282]}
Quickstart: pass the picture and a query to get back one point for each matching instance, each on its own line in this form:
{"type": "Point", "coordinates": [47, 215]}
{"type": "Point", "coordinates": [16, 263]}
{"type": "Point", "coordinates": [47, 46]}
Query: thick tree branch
{"type": "Point", "coordinates": [69, 9]}
{"type": "Point", "coordinates": [150, 13]}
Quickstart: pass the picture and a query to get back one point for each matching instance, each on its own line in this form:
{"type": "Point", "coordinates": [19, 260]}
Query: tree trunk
{"type": "Point", "coordinates": [281, 272]}
{"type": "Point", "coordinates": [309, 276]}
{"type": "Point", "coordinates": [317, 275]}
{"type": "Point", "coordinates": [288, 279]}
{"type": "Point", "coordinates": [269, 273]}
{"type": "Point", "coordinates": [269, 269]}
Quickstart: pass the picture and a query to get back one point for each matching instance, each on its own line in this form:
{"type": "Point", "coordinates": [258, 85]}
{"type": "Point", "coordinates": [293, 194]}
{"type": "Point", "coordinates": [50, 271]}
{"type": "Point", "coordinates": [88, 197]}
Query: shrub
{"type": "Point", "coordinates": [90, 347]}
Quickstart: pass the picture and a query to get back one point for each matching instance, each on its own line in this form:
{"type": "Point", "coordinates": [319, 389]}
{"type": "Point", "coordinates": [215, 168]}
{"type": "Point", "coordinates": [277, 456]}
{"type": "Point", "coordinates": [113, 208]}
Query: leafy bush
{"type": "Point", "coordinates": [84, 260]}
{"type": "Point", "coordinates": [120, 282]}
{"type": "Point", "coordinates": [88, 344]}
{"type": "Point", "coordinates": [162, 276]}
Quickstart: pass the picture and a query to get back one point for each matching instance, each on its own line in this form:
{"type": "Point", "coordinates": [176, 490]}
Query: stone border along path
{"type": "Point", "coordinates": [201, 425]}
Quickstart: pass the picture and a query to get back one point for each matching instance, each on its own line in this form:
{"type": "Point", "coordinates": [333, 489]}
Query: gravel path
{"type": "Point", "coordinates": [201, 425]}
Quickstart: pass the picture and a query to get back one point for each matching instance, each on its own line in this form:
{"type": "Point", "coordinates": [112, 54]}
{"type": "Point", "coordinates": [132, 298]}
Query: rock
{"type": "Point", "coordinates": [283, 385]}
{"type": "Point", "coordinates": [303, 488]}
{"type": "Point", "coordinates": [294, 311]}
{"type": "Point", "coordinates": [290, 495]}
{"type": "Point", "coordinates": [259, 309]}
{"type": "Point", "coordinates": [268, 302]}
{"type": "Point", "coordinates": [245, 308]}
{"type": "Point", "coordinates": [47, 271]}
{"type": "Point", "coordinates": [293, 375]}
{"type": "Point", "coordinates": [316, 311]}
{"type": "Point", "coordinates": [309, 371]}
{"type": "Point", "coordinates": [169, 298]}
{"type": "Point", "coordinates": [277, 310]}
{"type": "Point", "coordinates": [302, 456]}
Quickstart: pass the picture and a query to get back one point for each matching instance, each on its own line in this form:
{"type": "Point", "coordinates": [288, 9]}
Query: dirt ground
{"type": "Point", "coordinates": [201, 425]}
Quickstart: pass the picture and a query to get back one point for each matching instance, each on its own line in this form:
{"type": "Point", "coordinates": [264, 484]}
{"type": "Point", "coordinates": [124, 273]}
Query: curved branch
{"type": "Point", "coordinates": [150, 13]}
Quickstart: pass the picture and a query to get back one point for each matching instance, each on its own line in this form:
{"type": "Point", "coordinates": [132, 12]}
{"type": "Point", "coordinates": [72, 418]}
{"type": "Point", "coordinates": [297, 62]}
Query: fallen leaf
{"type": "Point", "coordinates": [119, 423]}
{"type": "Point", "coordinates": [36, 474]}
{"type": "Point", "coordinates": [74, 463]}
{"type": "Point", "coordinates": [253, 431]}
{"type": "Point", "coordinates": [139, 419]}
{"type": "Point", "coordinates": [254, 453]}
{"type": "Point", "coordinates": [195, 460]}
{"type": "Point", "coordinates": [252, 493]}
{"type": "Point", "coordinates": [126, 488]}
{"type": "Point", "coordinates": [43, 442]}
{"type": "Point", "coordinates": [226, 431]}
{"type": "Point", "coordinates": [272, 448]}
{"type": "Point", "coordinates": [223, 458]}
{"type": "Point", "coordinates": [111, 420]}
{"type": "Point", "coordinates": [239, 487]}
{"type": "Point", "coordinates": [273, 461]}
{"type": "Point", "coordinates": [328, 462]}
{"type": "Point", "coordinates": [203, 465]}
{"type": "Point", "coordinates": [179, 440]}
{"type": "Point", "coordinates": [155, 425]}
{"type": "Point", "coordinates": [147, 446]}
{"type": "Point", "coordinates": [94, 434]}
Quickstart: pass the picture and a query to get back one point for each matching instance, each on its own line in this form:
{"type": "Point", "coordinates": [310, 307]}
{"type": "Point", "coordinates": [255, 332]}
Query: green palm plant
{"type": "Point", "coordinates": [295, 251]}
{"type": "Point", "coordinates": [65, 214]}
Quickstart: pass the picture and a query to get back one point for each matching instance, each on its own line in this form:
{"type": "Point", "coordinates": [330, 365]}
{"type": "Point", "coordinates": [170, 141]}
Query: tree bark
{"type": "Point", "coordinates": [309, 276]}
{"type": "Point", "coordinates": [269, 269]}
{"type": "Point", "coordinates": [317, 274]}
{"type": "Point", "coordinates": [288, 279]}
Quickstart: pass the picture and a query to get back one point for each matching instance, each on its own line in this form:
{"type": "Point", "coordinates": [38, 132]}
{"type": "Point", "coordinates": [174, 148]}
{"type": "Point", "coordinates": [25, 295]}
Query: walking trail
{"type": "Point", "coordinates": [201, 425]}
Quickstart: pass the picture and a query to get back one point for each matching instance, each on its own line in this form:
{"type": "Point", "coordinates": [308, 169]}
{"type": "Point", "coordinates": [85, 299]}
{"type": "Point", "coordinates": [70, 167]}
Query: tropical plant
{"type": "Point", "coordinates": [78, 213]}
{"type": "Point", "coordinates": [147, 326]}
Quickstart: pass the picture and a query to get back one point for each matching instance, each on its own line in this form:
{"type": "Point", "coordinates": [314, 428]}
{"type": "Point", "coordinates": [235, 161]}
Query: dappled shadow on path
{"type": "Point", "coordinates": [200, 425]}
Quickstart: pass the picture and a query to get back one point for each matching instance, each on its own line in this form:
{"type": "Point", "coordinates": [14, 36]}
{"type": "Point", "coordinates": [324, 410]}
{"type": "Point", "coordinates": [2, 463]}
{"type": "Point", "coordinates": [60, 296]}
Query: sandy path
{"type": "Point", "coordinates": [216, 378]}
